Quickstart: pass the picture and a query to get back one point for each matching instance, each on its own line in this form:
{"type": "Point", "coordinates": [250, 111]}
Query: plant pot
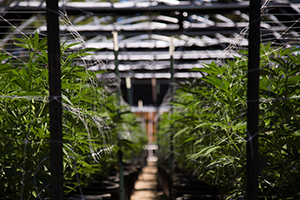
{"type": "Point", "coordinates": [130, 173]}
{"type": "Point", "coordinates": [163, 180]}
{"type": "Point", "coordinates": [193, 188]}
{"type": "Point", "coordinates": [88, 197]}
{"type": "Point", "coordinates": [102, 187]}
{"type": "Point", "coordinates": [195, 197]}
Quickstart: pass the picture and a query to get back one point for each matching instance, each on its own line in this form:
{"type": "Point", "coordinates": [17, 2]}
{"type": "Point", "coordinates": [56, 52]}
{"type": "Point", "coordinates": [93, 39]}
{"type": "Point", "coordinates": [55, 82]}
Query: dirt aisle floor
{"type": "Point", "coordinates": [145, 187]}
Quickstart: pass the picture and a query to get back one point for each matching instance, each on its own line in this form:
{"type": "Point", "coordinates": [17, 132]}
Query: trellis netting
{"type": "Point", "coordinates": [210, 129]}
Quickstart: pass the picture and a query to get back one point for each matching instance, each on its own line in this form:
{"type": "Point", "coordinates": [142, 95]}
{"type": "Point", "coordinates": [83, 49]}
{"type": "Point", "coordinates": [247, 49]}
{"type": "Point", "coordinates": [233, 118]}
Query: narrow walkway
{"type": "Point", "coordinates": [145, 187]}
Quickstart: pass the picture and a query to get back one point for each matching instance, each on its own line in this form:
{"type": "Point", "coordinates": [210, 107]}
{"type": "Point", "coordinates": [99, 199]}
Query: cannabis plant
{"type": "Point", "coordinates": [209, 136]}
{"type": "Point", "coordinates": [25, 119]}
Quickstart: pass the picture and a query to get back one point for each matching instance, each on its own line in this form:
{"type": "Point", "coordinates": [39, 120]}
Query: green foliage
{"type": "Point", "coordinates": [90, 122]}
{"type": "Point", "coordinates": [208, 124]}
{"type": "Point", "coordinates": [279, 91]}
{"type": "Point", "coordinates": [24, 125]}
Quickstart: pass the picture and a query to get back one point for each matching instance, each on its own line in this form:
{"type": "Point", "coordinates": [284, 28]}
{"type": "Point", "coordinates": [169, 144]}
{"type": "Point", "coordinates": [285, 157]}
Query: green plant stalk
{"type": "Point", "coordinates": [232, 141]}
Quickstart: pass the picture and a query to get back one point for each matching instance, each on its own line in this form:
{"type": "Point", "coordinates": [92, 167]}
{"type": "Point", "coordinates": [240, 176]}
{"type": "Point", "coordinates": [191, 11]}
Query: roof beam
{"type": "Point", "coordinates": [151, 66]}
{"type": "Point", "coordinates": [192, 29]}
{"type": "Point", "coordinates": [161, 75]}
{"type": "Point", "coordinates": [163, 55]}
{"type": "Point", "coordinates": [129, 8]}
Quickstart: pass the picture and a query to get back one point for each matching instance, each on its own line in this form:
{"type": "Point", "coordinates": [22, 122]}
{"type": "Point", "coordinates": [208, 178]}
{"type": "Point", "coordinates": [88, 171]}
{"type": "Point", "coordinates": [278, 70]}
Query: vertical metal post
{"type": "Point", "coordinates": [128, 86]}
{"type": "Point", "coordinates": [252, 101]}
{"type": "Point", "coordinates": [171, 50]}
{"type": "Point", "coordinates": [140, 105]}
{"type": "Point", "coordinates": [154, 99]}
{"type": "Point", "coordinates": [116, 53]}
{"type": "Point", "coordinates": [120, 153]}
{"type": "Point", "coordinates": [56, 160]}
{"type": "Point", "coordinates": [154, 93]}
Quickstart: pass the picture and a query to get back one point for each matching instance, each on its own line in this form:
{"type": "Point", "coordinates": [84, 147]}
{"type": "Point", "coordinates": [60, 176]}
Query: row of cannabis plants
{"type": "Point", "coordinates": [207, 127]}
{"type": "Point", "coordinates": [92, 122]}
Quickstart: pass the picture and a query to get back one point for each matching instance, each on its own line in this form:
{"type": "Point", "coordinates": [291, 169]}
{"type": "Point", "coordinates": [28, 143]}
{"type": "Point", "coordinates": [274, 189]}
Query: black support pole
{"type": "Point", "coordinates": [252, 101]}
{"type": "Point", "coordinates": [171, 50]}
{"type": "Point", "coordinates": [56, 160]}
{"type": "Point", "coordinates": [120, 153]}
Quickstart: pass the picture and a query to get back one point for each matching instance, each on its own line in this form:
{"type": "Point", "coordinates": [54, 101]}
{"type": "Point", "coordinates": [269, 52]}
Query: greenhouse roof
{"type": "Point", "coordinates": [202, 30]}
